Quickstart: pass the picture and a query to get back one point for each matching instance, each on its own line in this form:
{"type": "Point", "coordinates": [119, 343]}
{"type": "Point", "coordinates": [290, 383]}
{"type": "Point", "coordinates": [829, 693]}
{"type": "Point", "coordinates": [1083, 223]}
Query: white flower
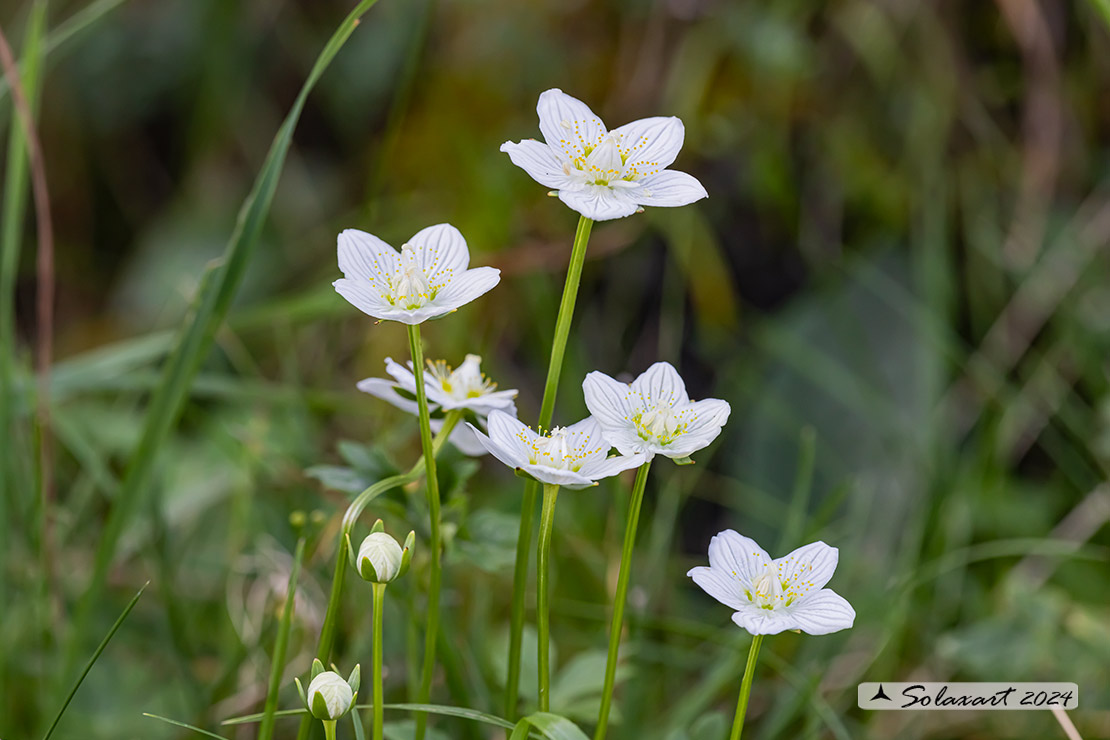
{"type": "Point", "coordinates": [571, 457]}
{"type": "Point", "coordinates": [466, 387]}
{"type": "Point", "coordinates": [771, 596]}
{"type": "Point", "coordinates": [604, 174]}
{"type": "Point", "coordinates": [427, 279]}
{"type": "Point", "coordinates": [329, 696]}
{"type": "Point", "coordinates": [653, 415]}
{"type": "Point", "coordinates": [381, 559]}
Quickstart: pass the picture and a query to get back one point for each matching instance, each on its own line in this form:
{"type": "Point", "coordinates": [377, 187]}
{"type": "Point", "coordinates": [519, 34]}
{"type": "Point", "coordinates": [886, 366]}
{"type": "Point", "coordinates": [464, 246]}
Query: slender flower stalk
{"type": "Point", "coordinates": [435, 572]}
{"type": "Point", "coordinates": [745, 689]}
{"type": "Point", "coordinates": [379, 605]}
{"type": "Point", "coordinates": [547, 521]}
{"type": "Point", "coordinates": [528, 504]}
{"type": "Point", "coordinates": [354, 510]}
{"type": "Point", "coordinates": [621, 597]}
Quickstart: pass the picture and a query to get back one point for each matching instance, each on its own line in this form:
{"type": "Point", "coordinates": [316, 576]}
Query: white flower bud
{"type": "Point", "coordinates": [329, 696]}
{"type": "Point", "coordinates": [379, 558]}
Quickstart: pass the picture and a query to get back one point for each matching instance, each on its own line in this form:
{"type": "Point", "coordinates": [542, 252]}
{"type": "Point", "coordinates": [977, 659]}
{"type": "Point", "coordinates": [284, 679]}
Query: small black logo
{"type": "Point", "coordinates": [881, 694]}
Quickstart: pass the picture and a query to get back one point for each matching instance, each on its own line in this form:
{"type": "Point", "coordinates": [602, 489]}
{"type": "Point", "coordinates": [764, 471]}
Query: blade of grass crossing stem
{"type": "Point", "coordinates": [15, 475]}
{"type": "Point", "coordinates": [209, 310]}
{"type": "Point", "coordinates": [93, 659]}
{"type": "Point", "coordinates": [175, 723]}
{"type": "Point", "coordinates": [277, 668]}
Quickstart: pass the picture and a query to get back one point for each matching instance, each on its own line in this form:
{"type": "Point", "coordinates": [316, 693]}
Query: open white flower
{"type": "Point", "coordinates": [653, 415]}
{"type": "Point", "coordinates": [771, 596]}
{"type": "Point", "coordinates": [464, 387]}
{"type": "Point", "coordinates": [604, 174]}
{"type": "Point", "coordinates": [571, 457]}
{"type": "Point", "coordinates": [425, 280]}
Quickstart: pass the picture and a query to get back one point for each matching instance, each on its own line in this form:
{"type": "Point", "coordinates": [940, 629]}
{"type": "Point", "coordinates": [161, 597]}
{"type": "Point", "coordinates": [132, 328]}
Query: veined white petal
{"type": "Point", "coordinates": [557, 476]}
{"type": "Point", "coordinates": [598, 468]}
{"type": "Point", "coordinates": [650, 145]}
{"type": "Point", "coordinates": [442, 252]}
{"type": "Point", "coordinates": [466, 287]}
{"type": "Point", "coordinates": [822, 613]}
{"type": "Point", "coordinates": [720, 585]}
{"type": "Point", "coordinates": [738, 556]}
{"type": "Point", "coordinates": [482, 405]}
{"type": "Point", "coordinates": [599, 202]}
{"type": "Point", "coordinates": [510, 431]}
{"type": "Point", "coordinates": [764, 621]}
{"type": "Point", "coordinates": [412, 316]}
{"type": "Point", "coordinates": [808, 568]}
{"type": "Point", "coordinates": [365, 296]}
{"type": "Point", "coordinates": [463, 438]}
{"type": "Point", "coordinates": [402, 374]}
{"type": "Point", "coordinates": [538, 160]}
{"type": "Point", "coordinates": [704, 420]}
{"type": "Point", "coordinates": [670, 189]}
{"type": "Point", "coordinates": [629, 442]}
{"type": "Point", "coordinates": [568, 125]}
{"type": "Point", "coordinates": [660, 383]}
{"type": "Point", "coordinates": [509, 455]}
{"type": "Point", "coordinates": [364, 256]}
{"type": "Point", "coordinates": [607, 400]}
{"type": "Point", "coordinates": [387, 391]}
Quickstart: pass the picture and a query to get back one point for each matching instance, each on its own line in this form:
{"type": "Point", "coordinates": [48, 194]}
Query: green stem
{"type": "Point", "coordinates": [745, 688]}
{"type": "Point", "coordinates": [543, 565]}
{"type": "Point", "coordinates": [277, 668]}
{"type": "Point", "coordinates": [435, 574]}
{"type": "Point", "coordinates": [327, 632]}
{"type": "Point", "coordinates": [379, 607]}
{"type": "Point", "coordinates": [621, 597]}
{"type": "Point", "coordinates": [329, 728]}
{"type": "Point", "coordinates": [528, 503]}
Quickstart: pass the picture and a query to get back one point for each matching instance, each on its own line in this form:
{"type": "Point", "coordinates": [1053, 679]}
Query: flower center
{"type": "Point", "coordinates": [412, 289]}
{"type": "Point", "coordinates": [555, 451]}
{"type": "Point", "coordinates": [661, 422]}
{"type": "Point", "coordinates": [468, 381]}
{"type": "Point", "coordinates": [770, 591]}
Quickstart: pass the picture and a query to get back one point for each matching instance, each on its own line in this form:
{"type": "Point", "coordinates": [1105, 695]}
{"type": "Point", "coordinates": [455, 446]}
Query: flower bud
{"type": "Point", "coordinates": [329, 696]}
{"type": "Point", "coordinates": [380, 559]}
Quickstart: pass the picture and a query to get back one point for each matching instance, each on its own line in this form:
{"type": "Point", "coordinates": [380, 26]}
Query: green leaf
{"type": "Point", "coordinates": [277, 668]}
{"type": "Point", "coordinates": [446, 711]}
{"type": "Point", "coordinates": [555, 727]}
{"type": "Point", "coordinates": [683, 460]}
{"type": "Point", "coordinates": [92, 661]}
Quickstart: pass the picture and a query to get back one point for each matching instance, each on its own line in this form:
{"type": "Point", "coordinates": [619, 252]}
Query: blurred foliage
{"type": "Point", "coordinates": [903, 252]}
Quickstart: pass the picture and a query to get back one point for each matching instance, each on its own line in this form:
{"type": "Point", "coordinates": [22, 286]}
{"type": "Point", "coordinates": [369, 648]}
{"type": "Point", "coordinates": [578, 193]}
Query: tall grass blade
{"type": "Point", "coordinates": [209, 309]}
{"type": "Point", "coordinates": [94, 658]}
{"type": "Point", "coordinates": [174, 722]}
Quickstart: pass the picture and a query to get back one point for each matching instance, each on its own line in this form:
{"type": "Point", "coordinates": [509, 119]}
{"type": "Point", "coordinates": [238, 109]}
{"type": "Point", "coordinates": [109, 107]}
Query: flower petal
{"type": "Point", "coordinates": [738, 556]}
{"type": "Point", "coordinates": [704, 420]}
{"type": "Point", "coordinates": [463, 438]}
{"type": "Point", "coordinates": [671, 188]}
{"type": "Point", "coordinates": [588, 440]}
{"type": "Point", "coordinates": [364, 256]}
{"type": "Point", "coordinates": [720, 585]}
{"type": "Point", "coordinates": [403, 375]}
{"type": "Point", "coordinates": [366, 297]}
{"type": "Point", "coordinates": [597, 469]}
{"type": "Point", "coordinates": [759, 621]}
{"type": "Point", "coordinates": [568, 125]}
{"type": "Point", "coordinates": [510, 431]}
{"type": "Point", "coordinates": [650, 145]}
{"type": "Point", "coordinates": [466, 287]}
{"type": "Point", "coordinates": [538, 160]}
{"type": "Point", "coordinates": [607, 400]}
{"type": "Point", "coordinates": [824, 612]}
{"type": "Point", "coordinates": [557, 476]}
{"type": "Point", "coordinates": [506, 454]}
{"type": "Point", "coordinates": [599, 202]}
{"type": "Point", "coordinates": [660, 383]}
{"type": "Point", "coordinates": [808, 568]}
{"type": "Point", "coordinates": [387, 391]}
{"type": "Point", "coordinates": [442, 252]}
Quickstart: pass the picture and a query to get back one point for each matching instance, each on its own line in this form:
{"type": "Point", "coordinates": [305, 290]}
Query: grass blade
{"type": "Point", "coordinates": [208, 311]}
{"type": "Point", "coordinates": [169, 721]}
{"type": "Point", "coordinates": [266, 730]}
{"type": "Point", "coordinates": [93, 659]}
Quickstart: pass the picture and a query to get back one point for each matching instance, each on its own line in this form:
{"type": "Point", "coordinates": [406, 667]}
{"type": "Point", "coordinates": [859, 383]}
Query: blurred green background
{"type": "Point", "coordinates": [899, 282]}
